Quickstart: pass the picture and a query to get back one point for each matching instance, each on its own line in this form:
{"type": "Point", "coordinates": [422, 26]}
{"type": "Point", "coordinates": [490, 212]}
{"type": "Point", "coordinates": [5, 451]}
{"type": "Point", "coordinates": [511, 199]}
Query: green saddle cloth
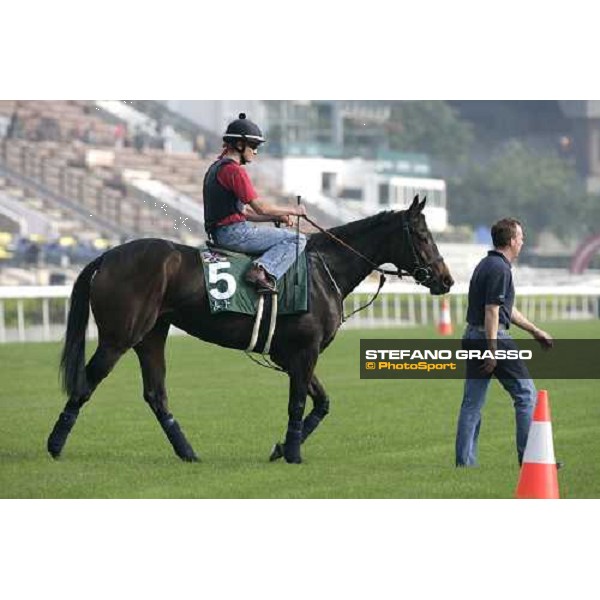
{"type": "Point", "coordinates": [227, 290]}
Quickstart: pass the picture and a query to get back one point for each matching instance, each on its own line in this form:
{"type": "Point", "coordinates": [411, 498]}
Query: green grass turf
{"type": "Point", "coordinates": [383, 439]}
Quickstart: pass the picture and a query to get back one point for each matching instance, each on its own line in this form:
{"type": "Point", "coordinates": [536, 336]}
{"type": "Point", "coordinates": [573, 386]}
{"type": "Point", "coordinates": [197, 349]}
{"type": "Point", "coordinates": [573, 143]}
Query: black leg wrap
{"type": "Point", "coordinates": [312, 421]}
{"type": "Point", "coordinates": [293, 439]}
{"type": "Point", "coordinates": [310, 424]}
{"type": "Point", "coordinates": [180, 444]}
{"type": "Point", "coordinates": [58, 436]}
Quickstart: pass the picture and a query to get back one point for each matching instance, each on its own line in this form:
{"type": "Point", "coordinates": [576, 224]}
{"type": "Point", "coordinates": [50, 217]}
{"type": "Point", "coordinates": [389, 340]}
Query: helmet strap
{"type": "Point", "coordinates": [243, 160]}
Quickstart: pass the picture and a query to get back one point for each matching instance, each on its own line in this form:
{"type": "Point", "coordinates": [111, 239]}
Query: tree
{"type": "Point", "coordinates": [541, 191]}
{"type": "Point", "coordinates": [591, 214]}
{"type": "Point", "coordinates": [431, 127]}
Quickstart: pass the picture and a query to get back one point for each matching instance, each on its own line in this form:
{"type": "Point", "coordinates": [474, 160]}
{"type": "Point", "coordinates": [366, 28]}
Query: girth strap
{"type": "Point", "coordinates": [257, 323]}
{"type": "Point", "coordinates": [257, 320]}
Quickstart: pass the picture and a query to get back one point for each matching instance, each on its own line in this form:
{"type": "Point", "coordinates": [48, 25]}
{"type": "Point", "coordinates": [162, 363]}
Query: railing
{"type": "Point", "coordinates": [402, 304]}
{"type": "Point", "coordinates": [38, 313]}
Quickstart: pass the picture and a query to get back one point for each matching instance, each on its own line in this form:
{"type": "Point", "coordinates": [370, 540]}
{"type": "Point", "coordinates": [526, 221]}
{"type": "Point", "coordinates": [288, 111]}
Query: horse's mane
{"type": "Point", "coordinates": [350, 230]}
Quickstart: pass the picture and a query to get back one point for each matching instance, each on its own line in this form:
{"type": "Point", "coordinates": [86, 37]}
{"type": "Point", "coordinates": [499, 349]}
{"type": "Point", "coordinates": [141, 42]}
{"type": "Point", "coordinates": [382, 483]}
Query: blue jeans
{"type": "Point", "coordinates": [278, 245]}
{"type": "Point", "coordinates": [522, 391]}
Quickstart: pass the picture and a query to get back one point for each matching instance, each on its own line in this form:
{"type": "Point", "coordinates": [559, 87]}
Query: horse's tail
{"type": "Point", "coordinates": [72, 362]}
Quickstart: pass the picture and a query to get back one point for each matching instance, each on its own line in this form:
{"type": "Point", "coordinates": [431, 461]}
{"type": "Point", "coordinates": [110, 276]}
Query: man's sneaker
{"type": "Point", "coordinates": [263, 283]}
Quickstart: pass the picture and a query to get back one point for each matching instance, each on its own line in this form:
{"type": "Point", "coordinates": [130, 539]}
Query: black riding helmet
{"type": "Point", "coordinates": [244, 130]}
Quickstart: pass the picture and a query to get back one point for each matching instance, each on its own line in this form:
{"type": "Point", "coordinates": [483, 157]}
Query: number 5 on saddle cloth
{"type": "Point", "coordinates": [227, 290]}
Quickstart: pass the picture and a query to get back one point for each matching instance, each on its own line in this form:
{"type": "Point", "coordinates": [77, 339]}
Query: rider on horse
{"type": "Point", "coordinates": [230, 201]}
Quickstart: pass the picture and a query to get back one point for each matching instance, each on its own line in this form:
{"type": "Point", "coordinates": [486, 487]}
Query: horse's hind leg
{"type": "Point", "coordinates": [320, 410]}
{"type": "Point", "coordinates": [151, 354]}
{"type": "Point", "coordinates": [99, 366]}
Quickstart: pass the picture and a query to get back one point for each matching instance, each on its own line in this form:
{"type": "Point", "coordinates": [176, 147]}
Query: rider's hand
{"type": "Point", "coordinates": [300, 211]}
{"type": "Point", "coordinates": [286, 220]}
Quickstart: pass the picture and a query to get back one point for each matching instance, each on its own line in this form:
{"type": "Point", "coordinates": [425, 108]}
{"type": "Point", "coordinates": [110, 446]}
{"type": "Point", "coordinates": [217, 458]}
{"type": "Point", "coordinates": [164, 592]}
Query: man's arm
{"type": "Point", "coordinates": [544, 338]}
{"type": "Point", "coordinates": [491, 320]}
{"type": "Point", "coordinates": [520, 321]}
{"type": "Point", "coordinates": [251, 215]}
{"type": "Point", "coordinates": [265, 209]}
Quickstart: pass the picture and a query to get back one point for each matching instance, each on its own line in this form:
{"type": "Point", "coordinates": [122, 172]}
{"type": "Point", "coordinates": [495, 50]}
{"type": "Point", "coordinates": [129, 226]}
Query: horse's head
{"type": "Point", "coordinates": [418, 253]}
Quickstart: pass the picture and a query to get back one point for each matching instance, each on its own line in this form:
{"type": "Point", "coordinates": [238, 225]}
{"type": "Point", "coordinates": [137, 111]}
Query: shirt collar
{"type": "Point", "coordinates": [496, 253]}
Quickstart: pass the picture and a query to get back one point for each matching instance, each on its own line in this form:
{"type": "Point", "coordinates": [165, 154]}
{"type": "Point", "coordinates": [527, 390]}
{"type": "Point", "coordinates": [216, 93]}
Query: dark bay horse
{"type": "Point", "coordinates": [141, 288]}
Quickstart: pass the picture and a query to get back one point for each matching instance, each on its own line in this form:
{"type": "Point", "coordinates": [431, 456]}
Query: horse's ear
{"type": "Point", "coordinates": [415, 204]}
{"type": "Point", "coordinates": [422, 204]}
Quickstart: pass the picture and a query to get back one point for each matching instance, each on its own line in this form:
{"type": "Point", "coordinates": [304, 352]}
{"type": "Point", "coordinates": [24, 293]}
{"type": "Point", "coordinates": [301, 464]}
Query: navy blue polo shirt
{"type": "Point", "coordinates": [491, 283]}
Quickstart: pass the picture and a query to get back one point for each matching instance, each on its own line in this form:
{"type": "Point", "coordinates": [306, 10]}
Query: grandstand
{"type": "Point", "coordinates": [65, 172]}
{"type": "Point", "coordinates": [87, 168]}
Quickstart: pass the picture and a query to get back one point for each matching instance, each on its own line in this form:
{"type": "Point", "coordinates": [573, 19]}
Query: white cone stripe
{"type": "Point", "coordinates": [445, 313]}
{"type": "Point", "coordinates": [540, 447]}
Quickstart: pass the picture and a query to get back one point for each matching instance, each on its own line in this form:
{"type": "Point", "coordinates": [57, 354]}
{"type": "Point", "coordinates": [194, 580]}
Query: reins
{"type": "Point", "coordinates": [382, 272]}
{"type": "Point", "coordinates": [419, 268]}
{"type": "Point", "coordinates": [377, 268]}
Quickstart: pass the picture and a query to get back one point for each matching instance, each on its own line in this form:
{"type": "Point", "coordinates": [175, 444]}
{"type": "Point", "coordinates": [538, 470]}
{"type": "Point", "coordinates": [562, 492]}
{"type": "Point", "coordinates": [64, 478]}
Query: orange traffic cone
{"type": "Point", "coordinates": [539, 476]}
{"type": "Point", "coordinates": [445, 324]}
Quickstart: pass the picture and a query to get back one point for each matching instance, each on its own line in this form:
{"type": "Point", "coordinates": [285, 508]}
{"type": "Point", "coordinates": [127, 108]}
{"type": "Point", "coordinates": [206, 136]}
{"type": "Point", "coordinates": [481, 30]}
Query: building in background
{"type": "Point", "coordinates": [351, 188]}
{"type": "Point", "coordinates": [331, 128]}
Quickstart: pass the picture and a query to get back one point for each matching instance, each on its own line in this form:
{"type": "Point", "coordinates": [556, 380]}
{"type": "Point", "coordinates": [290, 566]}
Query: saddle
{"type": "Point", "coordinates": [255, 275]}
{"type": "Point", "coordinates": [228, 290]}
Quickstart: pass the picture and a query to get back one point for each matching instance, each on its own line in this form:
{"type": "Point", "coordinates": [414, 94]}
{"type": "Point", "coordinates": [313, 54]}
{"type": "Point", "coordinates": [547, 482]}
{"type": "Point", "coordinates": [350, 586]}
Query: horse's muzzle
{"type": "Point", "coordinates": [441, 286]}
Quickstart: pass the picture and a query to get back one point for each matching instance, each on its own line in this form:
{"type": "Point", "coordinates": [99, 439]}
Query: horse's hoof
{"type": "Point", "coordinates": [276, 452]}
{"type": "Point", "coordinates": [292, 455]}
{"type": "Point", "coordinates": [54, 450]}
{"type": "Point", "coordinates": [190, 459]}
{"type": "Point", "coordinates": [293, 460]}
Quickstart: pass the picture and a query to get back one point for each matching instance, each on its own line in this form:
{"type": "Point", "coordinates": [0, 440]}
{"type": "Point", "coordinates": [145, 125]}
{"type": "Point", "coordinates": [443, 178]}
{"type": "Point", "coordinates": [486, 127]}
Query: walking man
{"type": "Point", "coordinates": [489, 316]}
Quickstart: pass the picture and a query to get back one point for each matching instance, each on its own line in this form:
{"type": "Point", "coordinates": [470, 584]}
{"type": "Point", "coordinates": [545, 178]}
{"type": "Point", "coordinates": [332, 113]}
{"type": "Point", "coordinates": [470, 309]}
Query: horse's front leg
{"type": "Point", "coordinates": [300, 372]}
{"type": "Point", "coordinates": [320, 407]}
{"type": "Point", "coordinates": [320, 410]}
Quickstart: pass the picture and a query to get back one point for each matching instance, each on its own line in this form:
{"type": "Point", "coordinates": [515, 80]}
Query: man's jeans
{"type": "Point", "coordinates": [278, 245]}
{"type": "Point", "coordinates": [521, 390]}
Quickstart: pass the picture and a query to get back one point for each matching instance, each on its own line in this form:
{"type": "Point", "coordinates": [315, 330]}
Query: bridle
{"type": "Point", "coordinates": [421, 271]}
